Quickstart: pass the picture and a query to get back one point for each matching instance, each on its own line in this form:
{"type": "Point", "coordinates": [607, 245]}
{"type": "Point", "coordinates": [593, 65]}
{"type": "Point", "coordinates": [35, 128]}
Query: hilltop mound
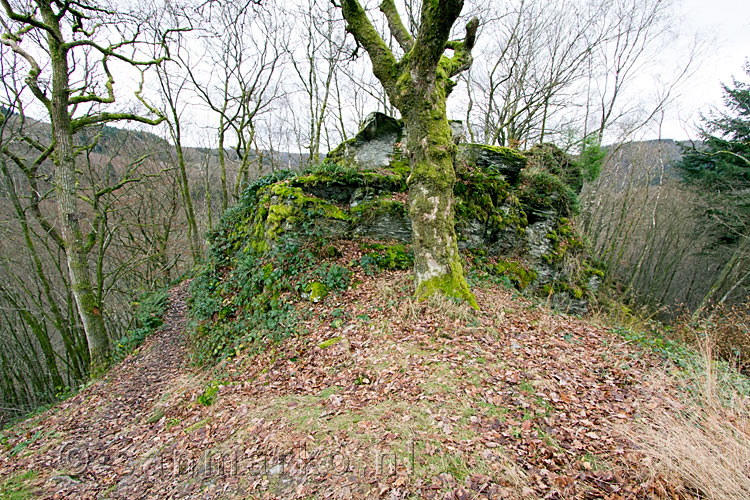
{"type": "Point", "coordinates": [323, 378]}
{"type": "Point", "coordinates": [376, 397]}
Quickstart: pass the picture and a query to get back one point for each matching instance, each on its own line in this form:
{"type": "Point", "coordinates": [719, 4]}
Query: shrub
{"type": "Point", "coordinates": [550, 158]}
{"type": "Point", "coordinates": [389, 257]}
{"type": "Point", "coordinates": [148, 317]}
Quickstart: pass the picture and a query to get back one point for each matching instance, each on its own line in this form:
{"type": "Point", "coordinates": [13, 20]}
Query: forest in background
{"type": "Point", "coordinates": [256, 82]}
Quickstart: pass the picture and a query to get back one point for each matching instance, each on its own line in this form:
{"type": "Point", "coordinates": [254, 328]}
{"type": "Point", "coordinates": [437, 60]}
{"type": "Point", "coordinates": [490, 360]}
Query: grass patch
{"type": "Point", "coordinates": [24, 444]}
{"type": "Point", "coordinates": [198, 425]}
{"type": "Point", "coordinates": [17, 487]}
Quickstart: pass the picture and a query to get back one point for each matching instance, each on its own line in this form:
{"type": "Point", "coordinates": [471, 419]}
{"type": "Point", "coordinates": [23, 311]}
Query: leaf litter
{"type": "Point", "coordinates": [414, 400]}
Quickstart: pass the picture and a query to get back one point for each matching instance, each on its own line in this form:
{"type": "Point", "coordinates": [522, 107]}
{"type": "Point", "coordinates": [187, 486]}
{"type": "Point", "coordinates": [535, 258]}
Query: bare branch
{"type": "Point", "coordinates": [384, 63]}
{"type": "Point", "coordinates": [32, 80]}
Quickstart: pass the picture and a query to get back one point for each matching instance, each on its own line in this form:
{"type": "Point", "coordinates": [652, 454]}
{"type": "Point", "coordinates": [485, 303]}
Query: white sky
{"type": "Point", "coordinates": [725, 24]}
{"type": "Point", "coordinates": [724, 28]}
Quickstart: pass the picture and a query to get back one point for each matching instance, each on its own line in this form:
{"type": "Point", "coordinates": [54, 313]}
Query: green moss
{"type": "Point", "coordinates": [281, 206]}
{"type": "Point", "coordinates": [508, 156]}
{"type": "Point", "coordinates": [485, 196]}
{"type": "Point", "coordinates": [328, 343]}
{"type": "Point", "coordinates": [157, 415]}
{"type": "Point", "coordinates": [518, 275]}
{"type": "Point", "coordinates": [343, 177]}
{"type": "Point", "coordinates": [17, 487]}
{"type": "Point", "coordinates": [550, 158]}
{"type": "Point", "coordinates": [542, 190]}
{"type": "Point", "coordinates": [339, 155]}
{"type": "Point", "coordinates": [451, 285]}
{"type": "Point", "coordinates": [400, 167]}
{"type": "Point", "coordinates": [386, 257]}
{"type": "Point", "coordinates": [564, 240]}
{"type": "Point", "coordinates": [198, 425]}
{"type": "Point", "coordinates": [316, 291]}
{"type": "Point", "coordinates": [374, 209]}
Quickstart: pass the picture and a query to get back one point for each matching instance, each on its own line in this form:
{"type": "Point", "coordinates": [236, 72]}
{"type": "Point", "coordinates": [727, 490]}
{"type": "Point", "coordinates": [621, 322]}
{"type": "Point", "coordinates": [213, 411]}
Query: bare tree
{"type": "Point", "coordinates": [70, 33]}
{"type": "Point", "coordinates": [244, 56]}
{"type": "Point", "coordinates": [418, 84]}
{"type": "Point", "coordinates": [317, 68]}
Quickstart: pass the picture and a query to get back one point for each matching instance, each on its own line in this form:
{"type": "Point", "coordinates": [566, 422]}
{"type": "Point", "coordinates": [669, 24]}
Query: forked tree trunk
{"type": "Point", "coordinates": [418, 85]}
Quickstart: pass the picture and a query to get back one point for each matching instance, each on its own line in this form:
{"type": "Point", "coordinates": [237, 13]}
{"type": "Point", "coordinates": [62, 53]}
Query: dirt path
{"type": "Point", "coordinates": [89, 442]}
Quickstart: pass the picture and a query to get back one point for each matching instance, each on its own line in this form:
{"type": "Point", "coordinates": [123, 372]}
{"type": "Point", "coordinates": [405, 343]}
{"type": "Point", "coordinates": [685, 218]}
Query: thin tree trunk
{"type": "Point", "coordinates": [65, 189]}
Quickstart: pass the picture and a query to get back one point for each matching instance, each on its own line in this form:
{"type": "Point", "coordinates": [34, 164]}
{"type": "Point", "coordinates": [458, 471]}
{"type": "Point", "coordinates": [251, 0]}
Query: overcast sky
{"type": "Point", "coordinates": [725, 24]}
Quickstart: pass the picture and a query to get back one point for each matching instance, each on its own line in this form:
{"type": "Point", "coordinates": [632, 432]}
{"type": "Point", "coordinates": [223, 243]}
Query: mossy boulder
{"type": "Point", "coordinates": [513, 207]}
{"type": "Point", "coordinates": [381, 219]}
{"type": "Point", "coordinates": [504, 161]}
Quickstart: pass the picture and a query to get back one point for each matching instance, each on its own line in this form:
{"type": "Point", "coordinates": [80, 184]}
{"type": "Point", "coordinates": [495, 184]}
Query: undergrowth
{"type": "Point", "coordinates": [253, 301]}
{"type": "Point", "coordinates": [17, 487]}
{"type": "Point", "coordinates": [701, 440]}
{"type": "Point", "coordinates": [698, 442]}
{"type": "Point", "coordinates": [245, 296]}
{"type": "Point", "coordinates": [149, 315]}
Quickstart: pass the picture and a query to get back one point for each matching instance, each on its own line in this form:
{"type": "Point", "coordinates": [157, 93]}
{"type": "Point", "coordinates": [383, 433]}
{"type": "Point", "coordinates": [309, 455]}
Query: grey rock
{"type": "Point", "coordinates": [458, 131]}
{"type": "Point", "coordinates": [488, 157]}
{"type": "Point", "coordinates": [471, 234]}
{"type": "Point", "coordinates": [373, 145]}
{"type": "Point", "coordinates": [386, 226]}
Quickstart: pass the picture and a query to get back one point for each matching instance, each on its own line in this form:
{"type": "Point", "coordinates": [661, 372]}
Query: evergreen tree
{"type": "Point", "coordinates": [720, 167]}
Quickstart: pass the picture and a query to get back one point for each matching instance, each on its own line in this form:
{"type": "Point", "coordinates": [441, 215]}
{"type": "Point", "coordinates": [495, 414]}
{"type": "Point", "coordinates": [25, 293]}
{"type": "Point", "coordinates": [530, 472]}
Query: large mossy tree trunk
{"type": "Point", "coordinates": [418, 85]}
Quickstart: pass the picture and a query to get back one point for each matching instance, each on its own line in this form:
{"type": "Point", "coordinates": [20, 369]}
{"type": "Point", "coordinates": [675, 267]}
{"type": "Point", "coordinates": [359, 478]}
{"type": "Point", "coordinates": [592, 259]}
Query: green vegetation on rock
{"type": "Point", "coordinates": [517, 274]}
{"type": "Point", "coordinates": [149, 316]}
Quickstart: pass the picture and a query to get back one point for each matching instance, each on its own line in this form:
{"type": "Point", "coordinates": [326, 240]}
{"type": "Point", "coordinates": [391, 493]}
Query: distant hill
{"type": "Point", "coordinates": [666, 152]}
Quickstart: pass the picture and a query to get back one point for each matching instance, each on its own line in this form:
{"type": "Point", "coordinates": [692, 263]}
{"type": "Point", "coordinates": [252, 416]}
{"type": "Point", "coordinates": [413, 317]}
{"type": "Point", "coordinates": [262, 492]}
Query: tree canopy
{"type": "Point", "coordinates": [720, 166]}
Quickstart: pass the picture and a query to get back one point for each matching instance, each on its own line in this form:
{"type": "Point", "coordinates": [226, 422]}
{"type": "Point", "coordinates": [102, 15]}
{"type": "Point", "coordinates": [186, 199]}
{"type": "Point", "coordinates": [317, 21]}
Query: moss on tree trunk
{"type": "Point", "coordinates": [418, 85]}
{"type": "Point", "coordinates": [437, 263]}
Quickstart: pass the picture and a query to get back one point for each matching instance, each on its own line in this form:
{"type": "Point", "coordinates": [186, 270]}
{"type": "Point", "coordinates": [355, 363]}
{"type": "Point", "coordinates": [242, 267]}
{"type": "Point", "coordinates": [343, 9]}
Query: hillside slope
{"type": "Point", "coordinates": [380, 398]}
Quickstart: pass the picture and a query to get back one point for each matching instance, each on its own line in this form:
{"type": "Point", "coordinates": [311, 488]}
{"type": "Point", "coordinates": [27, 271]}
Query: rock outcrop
{"type": "Point", "coordinates": [513, 209]}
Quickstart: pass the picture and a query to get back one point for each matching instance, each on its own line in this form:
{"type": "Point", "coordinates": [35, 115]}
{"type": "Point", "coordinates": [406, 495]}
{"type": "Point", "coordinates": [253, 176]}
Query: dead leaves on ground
{"type": "Point", "coordinates": [412, 401]}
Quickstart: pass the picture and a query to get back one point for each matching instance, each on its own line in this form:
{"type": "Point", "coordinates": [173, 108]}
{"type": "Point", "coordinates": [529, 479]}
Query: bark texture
{"type": "Point", "coordinates": [418, 86]}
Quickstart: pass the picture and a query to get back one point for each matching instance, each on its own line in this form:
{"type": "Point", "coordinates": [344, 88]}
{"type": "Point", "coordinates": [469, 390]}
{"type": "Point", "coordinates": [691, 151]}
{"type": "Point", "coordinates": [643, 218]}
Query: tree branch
{"type": "Point", "coordinates": [435, 25]}
{"type": "Point", "coordinates": [461, 59]}
{"type": "Point", "coordinates": [32, 79]}
{"type": "Point", "coordinates": [384, 64]}
{"type": "Point", "coordinates": [110, 51]}
{"type": "Point", "coordinates": [92, 97]}
{"type": "Point", "coordinates": [398, 30]}
{"type": "Point", "coordinates": [28, 19]}
{"type": "Point", "coordinates": [84, 121]}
